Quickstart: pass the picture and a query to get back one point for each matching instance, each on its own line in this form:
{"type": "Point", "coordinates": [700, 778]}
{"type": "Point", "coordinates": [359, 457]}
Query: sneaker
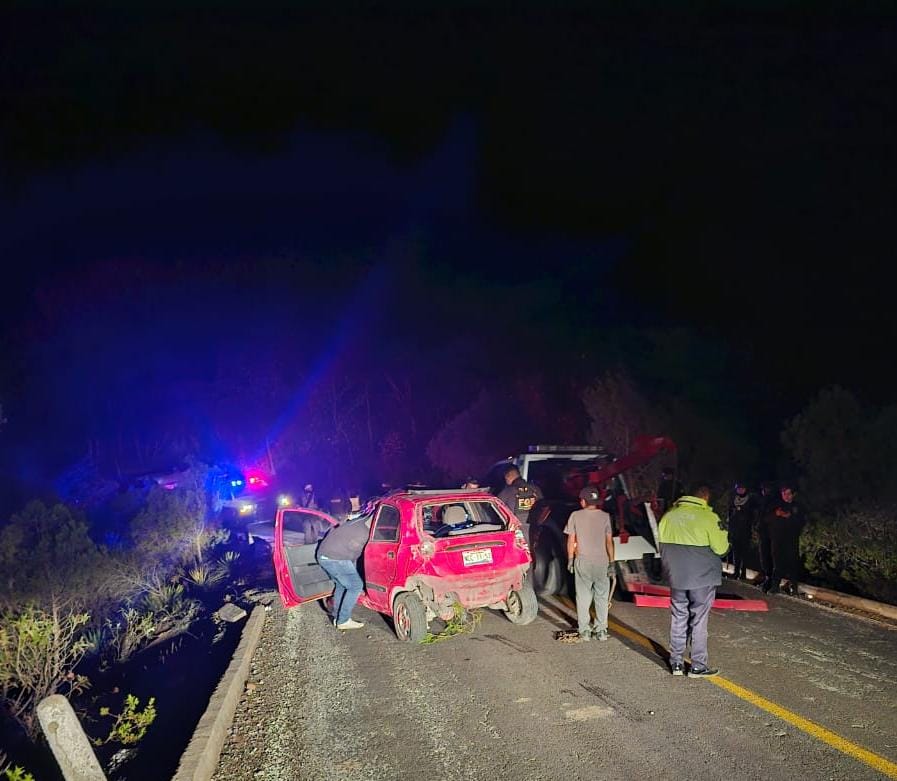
{"type": "Point", "coordinates": [350, 624]}
{"type": "Point", "coordinates": [585, 636]}
{"type": "Point", "coordinates": [601, 634]}
{"type": "Point", "coordinates": [702, 672]}
{"type": "Point", "coordinates": [677, 669]}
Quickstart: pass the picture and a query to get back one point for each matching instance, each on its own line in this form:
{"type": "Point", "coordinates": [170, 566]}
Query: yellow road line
{"type": "Point", "coordinates": [884, 766]}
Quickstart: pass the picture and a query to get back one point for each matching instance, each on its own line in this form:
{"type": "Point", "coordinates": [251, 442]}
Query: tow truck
{"type": "Point", "coordinates": [561, 471]}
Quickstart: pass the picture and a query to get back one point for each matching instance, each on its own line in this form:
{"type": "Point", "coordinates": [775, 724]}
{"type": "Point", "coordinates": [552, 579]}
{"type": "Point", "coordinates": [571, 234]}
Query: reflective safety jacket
{"type": "Point", "coordinates": [691, 543]}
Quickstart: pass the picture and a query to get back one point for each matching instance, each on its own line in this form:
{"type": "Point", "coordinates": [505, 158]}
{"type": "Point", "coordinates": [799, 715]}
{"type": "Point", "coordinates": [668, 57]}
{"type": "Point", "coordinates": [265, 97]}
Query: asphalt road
{"type": "Point", "coordinates": [804, 693]}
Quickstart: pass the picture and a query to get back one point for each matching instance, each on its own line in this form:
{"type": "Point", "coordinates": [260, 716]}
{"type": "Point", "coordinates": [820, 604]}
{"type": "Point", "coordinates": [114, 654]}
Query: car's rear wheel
{"type": "Point", "coordinates": [409, 617]}
{"type": "Point", "coordinates": [522, 605]}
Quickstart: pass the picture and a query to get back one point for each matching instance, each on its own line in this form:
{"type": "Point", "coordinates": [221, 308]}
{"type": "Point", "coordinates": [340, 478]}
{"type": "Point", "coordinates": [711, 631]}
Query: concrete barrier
{"type": "Point", "coordinates": [67, 740]}
{"type": "Point", "coordinates": [200, 760]}
{"type": "Point", "coordinates": [836, 598]}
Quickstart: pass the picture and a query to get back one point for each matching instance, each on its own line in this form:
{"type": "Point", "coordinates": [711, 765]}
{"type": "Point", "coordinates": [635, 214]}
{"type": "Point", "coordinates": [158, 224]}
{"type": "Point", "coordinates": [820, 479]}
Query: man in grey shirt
{"type": "Point", "coordinates": [590, 549]}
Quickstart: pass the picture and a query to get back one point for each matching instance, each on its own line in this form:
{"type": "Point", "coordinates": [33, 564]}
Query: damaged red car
{"type": "Point", "coordinates": [427, 551]}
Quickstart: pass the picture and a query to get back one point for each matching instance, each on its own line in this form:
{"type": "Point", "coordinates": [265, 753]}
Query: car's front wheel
{"type": "Point", "coordinates": [409, 617]}
{"type": "Point", "coordinates": [522, 605]}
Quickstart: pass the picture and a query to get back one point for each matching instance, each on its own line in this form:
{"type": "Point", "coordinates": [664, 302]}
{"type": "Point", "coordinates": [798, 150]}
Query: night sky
{"type": "Point", "coordinates": [494, 179]}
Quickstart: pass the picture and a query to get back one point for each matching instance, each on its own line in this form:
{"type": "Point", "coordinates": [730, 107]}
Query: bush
{"type": "Point", "coordinates": [131, 724]}
{"type": "Point", "coordinates": [856, 547]}
{"type": "Point", "coordinates": [39, 650]}
{"type": "Point", "coordinates": [47, 557]}
{"type": "Point", "coordinates": [172, 528]}
{"type": "Point", "coordinates": [128, 631]}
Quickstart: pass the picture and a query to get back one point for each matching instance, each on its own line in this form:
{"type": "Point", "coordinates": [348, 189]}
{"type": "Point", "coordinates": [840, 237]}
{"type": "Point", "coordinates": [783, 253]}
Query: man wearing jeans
{"type": "Point", "coordinates": [692, 543]}
{"type": "Point", "coordinates": [590, 548]}
{"type": "Point", "coordinates": [338, 555]}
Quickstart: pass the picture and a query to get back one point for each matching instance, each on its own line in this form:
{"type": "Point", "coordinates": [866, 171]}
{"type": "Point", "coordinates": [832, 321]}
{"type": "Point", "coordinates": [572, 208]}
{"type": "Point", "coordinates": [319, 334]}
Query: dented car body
{"type": "Point", "coordinates": [427, 552]}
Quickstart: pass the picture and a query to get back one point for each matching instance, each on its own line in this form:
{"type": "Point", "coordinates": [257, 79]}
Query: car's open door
{"type": "Point", "coordinates": [300, 578]}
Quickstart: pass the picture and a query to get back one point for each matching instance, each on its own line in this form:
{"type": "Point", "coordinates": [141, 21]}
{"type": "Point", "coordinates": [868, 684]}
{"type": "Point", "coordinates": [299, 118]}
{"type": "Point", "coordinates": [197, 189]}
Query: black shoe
{"type": "Point", "coordinates": [702, 672]}
{"type": "Point", "coordinates": [765, 586]}
{"type": "Point", "coordinates": [677, 669]}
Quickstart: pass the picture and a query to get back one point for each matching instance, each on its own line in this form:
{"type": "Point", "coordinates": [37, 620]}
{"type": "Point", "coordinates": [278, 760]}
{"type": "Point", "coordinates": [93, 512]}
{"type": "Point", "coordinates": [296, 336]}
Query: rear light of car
{"type": "Point", "coordinates": [519, 539]}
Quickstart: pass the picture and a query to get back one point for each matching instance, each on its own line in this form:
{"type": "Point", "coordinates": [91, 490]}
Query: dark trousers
{"type": "Point", "coordinates": [689, 614]}
{"type": "Point", "coordinates": [741, 545]}
{"type": "Point", "coordinates": [766, 560]}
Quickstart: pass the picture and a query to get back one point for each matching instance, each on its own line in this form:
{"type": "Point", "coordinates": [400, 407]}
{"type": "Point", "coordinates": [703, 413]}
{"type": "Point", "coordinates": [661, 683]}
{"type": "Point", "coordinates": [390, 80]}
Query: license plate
{"type": "Point", "coordinates": [472, 557]}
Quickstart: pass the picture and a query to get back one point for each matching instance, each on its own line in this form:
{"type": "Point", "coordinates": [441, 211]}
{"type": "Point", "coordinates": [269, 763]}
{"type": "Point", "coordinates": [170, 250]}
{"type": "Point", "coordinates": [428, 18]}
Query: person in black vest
{"type": "Point", "coordinates": [519, 496]}
{"type": "Point", "coordinates": [742, 514]}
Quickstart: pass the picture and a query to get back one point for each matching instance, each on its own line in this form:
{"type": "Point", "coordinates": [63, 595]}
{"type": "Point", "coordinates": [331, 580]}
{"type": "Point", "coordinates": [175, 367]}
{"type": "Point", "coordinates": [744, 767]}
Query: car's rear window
{"type": "Point", "coordinates": [477, 518]}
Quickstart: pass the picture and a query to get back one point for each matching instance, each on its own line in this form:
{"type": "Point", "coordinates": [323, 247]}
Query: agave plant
{"type": "Point", "coordinates": [203, 575]}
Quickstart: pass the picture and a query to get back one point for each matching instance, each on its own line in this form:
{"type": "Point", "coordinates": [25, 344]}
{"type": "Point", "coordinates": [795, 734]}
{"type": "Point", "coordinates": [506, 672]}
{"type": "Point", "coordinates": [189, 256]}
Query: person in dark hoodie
{"type": "Point", "coordinates": [691, 544]}
{"type": "Point", "coordinates": [741, 517]}
{"type": "Point", "coordinates": [783, 522]}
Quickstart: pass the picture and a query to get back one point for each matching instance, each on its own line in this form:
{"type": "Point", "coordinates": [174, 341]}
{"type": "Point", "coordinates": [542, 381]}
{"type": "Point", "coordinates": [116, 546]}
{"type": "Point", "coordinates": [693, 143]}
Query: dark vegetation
{"type": "Point", "coordinates": [111, 626]}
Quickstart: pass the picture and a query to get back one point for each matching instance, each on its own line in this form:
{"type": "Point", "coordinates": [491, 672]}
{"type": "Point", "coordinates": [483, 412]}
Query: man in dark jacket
{"type": "Point", "coordinates": [338, 555]}
{"type": "Point", "coordinates": [783, 522]}
{"type": "Point", "coordinates": [519, 496]}
{"type": "Point", "coordinates": [741, 517]}
{"type": "Point", "coordinates": [691, 543]}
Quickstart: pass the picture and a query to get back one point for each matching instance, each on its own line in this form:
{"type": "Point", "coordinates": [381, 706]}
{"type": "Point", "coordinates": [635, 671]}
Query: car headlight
{"type": "Point", "coordinates": [284, 500]}
{"type": "Point", "coordinates": [247, 509]}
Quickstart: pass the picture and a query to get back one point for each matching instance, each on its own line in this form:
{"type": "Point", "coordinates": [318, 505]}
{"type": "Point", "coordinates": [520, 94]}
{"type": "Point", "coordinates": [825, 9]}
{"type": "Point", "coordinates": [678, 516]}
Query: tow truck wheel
{"type": "Point", "coordinates": [409, 617]}
{"type": "Point", "coordinates": [547, 575]}
{"type": "Point", "coordinates": [522, 605]}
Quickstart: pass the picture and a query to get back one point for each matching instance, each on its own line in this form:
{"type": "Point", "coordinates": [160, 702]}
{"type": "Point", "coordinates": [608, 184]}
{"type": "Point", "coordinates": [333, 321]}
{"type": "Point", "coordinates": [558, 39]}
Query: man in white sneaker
{"type": "Point", "coordinates": [691, 544]}
{"type": "Point", "coordinates": [590, 548]}
{"type": "Point", "coordinates": [338, 555]}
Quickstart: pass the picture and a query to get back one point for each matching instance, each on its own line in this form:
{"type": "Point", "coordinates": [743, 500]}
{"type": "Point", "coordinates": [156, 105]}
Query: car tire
{"type": "Point", "coordinates": [409, 618]}
{"type": "Point", "coordinates": [547, 573]}
{"type": "Point", "coordinates": [523, 606]}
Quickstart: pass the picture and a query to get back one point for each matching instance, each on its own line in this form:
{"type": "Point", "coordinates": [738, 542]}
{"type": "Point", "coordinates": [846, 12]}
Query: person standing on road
{"type": "Point", "coordinates": [519, 496]}
{"type": "Point", "coordinates": [691, 544]}
{"type": "Point", "coordinates": [764, 502]}
{"type": "Point", "coordinates": [308, 498]}
{"type": "Point", "coordinates": [742, 512]}
{"type": "Point", "coordinates": [669, 489]}
{"type": "Point", "coordinates": [783, 521]}
{"type": "Point", "coordinates": [338, 555]}
{"type": "Point", "coordinates": [590, 552]}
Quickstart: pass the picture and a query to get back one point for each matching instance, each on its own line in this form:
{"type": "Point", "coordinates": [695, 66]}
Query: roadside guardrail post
{"type": "Point", "coordinates": [67, 739]}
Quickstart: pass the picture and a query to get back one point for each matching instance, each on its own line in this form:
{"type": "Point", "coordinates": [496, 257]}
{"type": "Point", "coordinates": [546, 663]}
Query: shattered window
{"type": "Point", "coordinates": [469, 517]}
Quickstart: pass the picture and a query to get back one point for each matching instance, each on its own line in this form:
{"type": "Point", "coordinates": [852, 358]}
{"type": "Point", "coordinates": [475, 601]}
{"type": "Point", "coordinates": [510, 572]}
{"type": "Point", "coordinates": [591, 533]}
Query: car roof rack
{"type": "Point", "coordinates": [442, 491]}
{"type": "Point", "coordinates": [597, 449]}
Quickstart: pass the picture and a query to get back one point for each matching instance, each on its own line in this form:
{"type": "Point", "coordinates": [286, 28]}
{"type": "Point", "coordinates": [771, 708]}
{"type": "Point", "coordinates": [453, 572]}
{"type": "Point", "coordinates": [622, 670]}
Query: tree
{"type": "Point", "coordinates": [48, 557]}
{"type": "Point", "coordinates": [833, 442]}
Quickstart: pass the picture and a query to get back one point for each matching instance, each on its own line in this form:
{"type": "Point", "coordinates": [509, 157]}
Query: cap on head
{"type": "Point", "coordinates": [590, 495]}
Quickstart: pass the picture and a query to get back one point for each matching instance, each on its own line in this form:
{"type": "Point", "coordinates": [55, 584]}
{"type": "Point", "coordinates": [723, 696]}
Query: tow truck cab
{"type": "Point", "coordinates": [562, 471]}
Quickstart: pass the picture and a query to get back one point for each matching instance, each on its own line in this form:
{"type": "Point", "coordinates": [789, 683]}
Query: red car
{"type": "Point", "coordinates": [427, 551]}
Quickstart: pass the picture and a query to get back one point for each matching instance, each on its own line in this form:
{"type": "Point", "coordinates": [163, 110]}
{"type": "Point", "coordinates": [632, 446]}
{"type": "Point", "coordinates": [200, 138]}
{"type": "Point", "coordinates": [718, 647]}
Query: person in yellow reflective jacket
{"type": "Point", "coordinates": [691, 544]}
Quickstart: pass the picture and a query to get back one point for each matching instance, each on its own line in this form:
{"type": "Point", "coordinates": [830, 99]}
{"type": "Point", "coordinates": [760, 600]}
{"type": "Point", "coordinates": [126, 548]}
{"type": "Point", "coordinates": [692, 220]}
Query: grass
{"type": "Point", "coordinates": [461, 622]}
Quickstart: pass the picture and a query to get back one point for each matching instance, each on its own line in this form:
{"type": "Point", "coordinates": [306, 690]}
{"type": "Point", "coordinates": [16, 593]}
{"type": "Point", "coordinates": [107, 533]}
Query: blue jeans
{"type": "Point", "coordinates": [348, 586]}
